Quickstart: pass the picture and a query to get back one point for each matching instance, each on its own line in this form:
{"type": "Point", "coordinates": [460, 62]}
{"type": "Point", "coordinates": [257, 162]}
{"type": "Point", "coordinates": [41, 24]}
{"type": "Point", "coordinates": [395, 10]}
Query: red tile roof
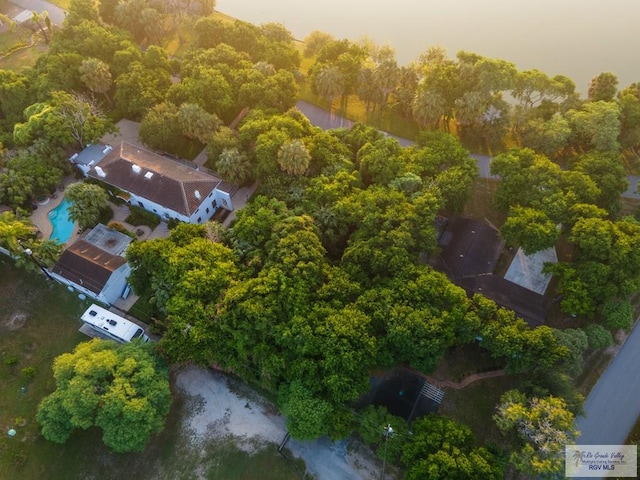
{"type": "Point", "coordinates": [87, 265]}
{"type": "Point", "coordinates": [161, 180]}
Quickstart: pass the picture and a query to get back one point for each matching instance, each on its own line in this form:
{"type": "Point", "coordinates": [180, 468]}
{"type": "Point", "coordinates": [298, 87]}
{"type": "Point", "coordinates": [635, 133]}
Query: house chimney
{"type": "Point", "coordinates": [197, 194]}
{"type": "Point", "coordinates": [135, 168]}
{"type": "Point", "coordinates": [100, 172]}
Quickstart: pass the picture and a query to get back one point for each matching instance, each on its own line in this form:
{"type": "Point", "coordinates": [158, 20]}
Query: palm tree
{"type": "Point", "coordinates": [265, 68]}
{"type": "Point", "coordinates": [368, 91]}
{"type": "Point", "coordinates": [294, 158]}
{"type": "Point", "coordinates": [329, 83]}
{"type": "Point", "coordinates": [48, 251]}
{"type": "Point", "coordinates": [87, 203]}
{"type": "Point", "coordinates": [42, 22]}
{"type": "Point", "coordinates": [470, 108]}
{"type": "Point", "coordinates": [234, 166]}
{"type": "Point", "coordinates": [96, 76]}
{"type": "Point", "coordinates": [386, 78]}
{"type": "Point", "coordinates": [428, 107]}
{"type": "Point", "coordinates": [12, 230]}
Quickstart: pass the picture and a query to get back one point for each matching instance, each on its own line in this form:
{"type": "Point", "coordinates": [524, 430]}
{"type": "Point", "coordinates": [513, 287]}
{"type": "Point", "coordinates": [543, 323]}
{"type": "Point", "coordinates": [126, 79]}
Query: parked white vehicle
{"type": "Point", "coordinates": [114, 326]}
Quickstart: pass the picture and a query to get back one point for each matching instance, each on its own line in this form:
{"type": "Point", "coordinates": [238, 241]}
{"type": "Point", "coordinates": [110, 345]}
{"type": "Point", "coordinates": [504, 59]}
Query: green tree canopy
{"type": "Point", "coordinates": [543, 425]}
{"type": "Point", "coordinates": [530, 229]}
{"type": "Point", "coordinates": [441, 448]}
{"type": "Point", "coordinates": [87, 203]}
{"type": "Point", "coordinates": [122, 389]}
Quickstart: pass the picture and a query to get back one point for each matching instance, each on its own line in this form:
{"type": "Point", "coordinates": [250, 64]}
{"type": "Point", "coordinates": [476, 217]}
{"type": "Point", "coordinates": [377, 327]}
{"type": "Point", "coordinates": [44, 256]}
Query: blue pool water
{"type": "Point", "coordinates": [62, 225]}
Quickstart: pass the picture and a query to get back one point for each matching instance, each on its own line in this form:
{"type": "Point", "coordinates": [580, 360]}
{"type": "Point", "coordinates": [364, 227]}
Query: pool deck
{"type": "Point", "coordinates": [41, 220]}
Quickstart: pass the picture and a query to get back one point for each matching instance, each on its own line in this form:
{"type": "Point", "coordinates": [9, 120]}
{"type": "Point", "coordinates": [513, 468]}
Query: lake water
{"type": "Point", "coordinates": [577, 38]}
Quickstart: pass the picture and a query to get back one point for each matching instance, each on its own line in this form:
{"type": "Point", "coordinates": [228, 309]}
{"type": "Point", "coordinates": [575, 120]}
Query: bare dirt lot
{"type": "Point", "coordinates": [225, 409]}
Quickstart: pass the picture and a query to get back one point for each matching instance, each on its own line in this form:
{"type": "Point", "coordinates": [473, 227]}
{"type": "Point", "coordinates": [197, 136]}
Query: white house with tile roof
{"type": "Point", "coordinates": [95, 265]}
{"type": "Point", "coordinates": [161, 185]}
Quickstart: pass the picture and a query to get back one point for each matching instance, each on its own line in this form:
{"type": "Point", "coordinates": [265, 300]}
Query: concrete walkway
{"type": "Point", "coordinates": [127, 132]}
{"type": "Point", "coordinates": [465, 381]}
{"type": "Point", "coordinates": [40, 217]}
{"type": "Point", "coordinates": [239, 200]}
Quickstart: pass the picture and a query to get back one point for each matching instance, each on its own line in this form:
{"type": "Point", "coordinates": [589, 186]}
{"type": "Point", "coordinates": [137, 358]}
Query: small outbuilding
{"type": "Point", "coordinates": [95, 265]}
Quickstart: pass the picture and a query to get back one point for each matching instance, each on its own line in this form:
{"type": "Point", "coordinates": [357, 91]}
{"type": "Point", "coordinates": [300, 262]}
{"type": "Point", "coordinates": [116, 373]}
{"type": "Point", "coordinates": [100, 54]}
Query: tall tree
{"type": "Point", "coordinates": [161, 128]}
{"type": "Point", "coordinates": [598, 123]}
{"type": "Point", "coordinates": [544, 426]}
{"type": "Point", "coordinates": [12, 230]}
{"type": "Point", "coordinates": [294, 158]}
{"type": "Point", "coordinates": [84, 120]}
{"type": "Point", "coordinates": [316, 41]}
{"type": "Point", "coordinates": [122, 389]}
{"type": "Point", "coordinates": [96, 76]}
{"type": "Point", "coordinates": [196, 123]}
{"type": "Point", "coordinates": [603, 87]}
{"type": "Point", "coordinates": [530, 229]}
{"type": "Point", "coordinates": [234, 166]}
{"type": "Point", "coordinates": [428, 106]}
{"type": "Point", "coordinates": [65, 119]}
{"type": "Point", "coordinates": [441, 448]}
{"type": "Point", "coordinates": [87, 203]}
{"type": "Point", "coordinates": [329, 83]}
{"type": "Point", "coordinates": [140, 88]}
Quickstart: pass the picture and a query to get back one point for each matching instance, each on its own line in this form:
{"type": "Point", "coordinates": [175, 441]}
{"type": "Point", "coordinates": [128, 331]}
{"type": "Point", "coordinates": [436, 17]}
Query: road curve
{"type": "Point", "coordinates": [56, 14]}
{"type": "Point", "coordinates": [320, 117]}
{"type": "Point", "coordinates": [613, 405]}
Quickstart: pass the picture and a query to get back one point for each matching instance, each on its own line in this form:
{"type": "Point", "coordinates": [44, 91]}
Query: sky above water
{"type": "Point", "coordinates": [577, 38]}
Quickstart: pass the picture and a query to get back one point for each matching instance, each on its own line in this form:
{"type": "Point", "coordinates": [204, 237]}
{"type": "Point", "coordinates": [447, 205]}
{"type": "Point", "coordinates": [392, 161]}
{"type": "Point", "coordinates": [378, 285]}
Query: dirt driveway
{"type": "Point", "coordinates": [227, 408]}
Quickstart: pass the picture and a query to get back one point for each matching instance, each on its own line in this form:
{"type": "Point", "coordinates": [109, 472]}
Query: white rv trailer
{"type": "Point", "coordinates": [113, 326]}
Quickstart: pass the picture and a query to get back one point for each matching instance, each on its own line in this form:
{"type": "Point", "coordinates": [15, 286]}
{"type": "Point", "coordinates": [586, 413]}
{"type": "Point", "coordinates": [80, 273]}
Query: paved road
{"type": "Point", "coordinates": [632, 191]}
{"type": "Point", "coordinates": [325, 120]}
{"type": "Point", "coordinates": [56, 14]}
{"type": "Point", "coordinates": [613, 405]}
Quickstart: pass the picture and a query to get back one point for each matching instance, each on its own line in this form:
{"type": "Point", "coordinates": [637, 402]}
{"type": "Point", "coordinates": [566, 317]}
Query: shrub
{"type": "Point", "coordinates": [10, 361]}
{"type": "Point", "coordinates": [140, 216]}
{"type": "Point", "coordinates": [106, 214]}
{"type": "Point", "coordinates": [118, 227]}
{"type": "Point", "coordinates": [617, 314]}
{"type": "Point", "coordinates": [598, 336]}
{"type": "Point", "coordinates": [28, 372]}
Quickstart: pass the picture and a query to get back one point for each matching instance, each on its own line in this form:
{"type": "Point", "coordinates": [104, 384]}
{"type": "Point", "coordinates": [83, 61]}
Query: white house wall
{"type": "Point", "coordinates": [150, 206]}
{"type": "Point", "coordinates": [200, 215]}
{"type": "Point", "coordinates": [78, 287]}
{"type": "Point", "coordinates": [110, 292]}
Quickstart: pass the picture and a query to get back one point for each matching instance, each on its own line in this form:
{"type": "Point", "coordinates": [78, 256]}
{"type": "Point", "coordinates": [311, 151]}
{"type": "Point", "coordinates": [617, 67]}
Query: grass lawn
{"type": "Point", "coordinates": [9, 39]}
{"type": "Point", "coordinates": [24, 58]}
{"type": "Point", "coordinates": [461, 362]}
{"type": "Point", "coordinates": [39, 320]}
{"type": "Point", "coordinates": [64, 4]}
{"type": "Point", "coordinates": [475, 405]}
{"type": "Point", "coordinates": [356, 111]}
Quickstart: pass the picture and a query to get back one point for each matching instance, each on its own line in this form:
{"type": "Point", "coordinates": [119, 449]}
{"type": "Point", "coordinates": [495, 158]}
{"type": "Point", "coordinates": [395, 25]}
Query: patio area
{"type": "Point", "coordinates": [40, 217]}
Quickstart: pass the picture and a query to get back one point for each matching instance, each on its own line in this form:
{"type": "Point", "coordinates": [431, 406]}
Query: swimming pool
{"type": "Point", "coordinates": [62, 225]}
